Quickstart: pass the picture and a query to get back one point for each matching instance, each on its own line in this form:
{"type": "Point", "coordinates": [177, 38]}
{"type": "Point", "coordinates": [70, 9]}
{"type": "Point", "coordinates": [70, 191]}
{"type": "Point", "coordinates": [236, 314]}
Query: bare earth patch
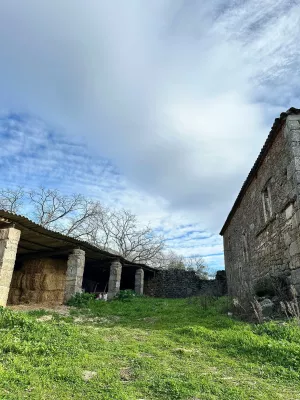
{"type": "Point", "coordinates": [88, 375]}
{"type": "Point", "coordinates": [126, 375]}
{"type": "Point", "coordinates": [45, 318]}
{"type": "Point", "coordinates": [59, 309]}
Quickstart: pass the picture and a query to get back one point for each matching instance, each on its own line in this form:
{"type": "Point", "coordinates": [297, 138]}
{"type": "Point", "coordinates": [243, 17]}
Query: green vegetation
{"type": "Point", "coordinates": [146, 349]}
{"type": "Point", "coordinates": [81, 300]}
{"type": "Point", "coordinates": [126, 295]}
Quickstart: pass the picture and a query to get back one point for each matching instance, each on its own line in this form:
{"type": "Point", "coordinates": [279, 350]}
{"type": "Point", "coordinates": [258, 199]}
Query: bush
{"type": "Point", "coordinates": [81, 300]}
{"type": "Point", "coordinates": [126, 295]}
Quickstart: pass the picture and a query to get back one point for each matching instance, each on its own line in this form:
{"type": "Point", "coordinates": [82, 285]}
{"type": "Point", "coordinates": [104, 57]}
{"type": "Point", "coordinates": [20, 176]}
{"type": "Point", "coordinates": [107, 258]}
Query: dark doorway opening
{"type": "Point", "coordinates": [127, 278]}
{"type": "Point", "coordinates": [95, 278]}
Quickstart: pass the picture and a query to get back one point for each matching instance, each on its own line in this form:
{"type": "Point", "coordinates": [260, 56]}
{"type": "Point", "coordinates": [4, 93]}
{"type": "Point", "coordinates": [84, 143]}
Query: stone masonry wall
{"type": "Point", "coordinates": [262, 239]}
{"type": "Point", "coordinates": [74, 275]}
{"type": "Point", "coordinates": [176, 283]}
{"type": "Point", "coordinates": [9, 239]}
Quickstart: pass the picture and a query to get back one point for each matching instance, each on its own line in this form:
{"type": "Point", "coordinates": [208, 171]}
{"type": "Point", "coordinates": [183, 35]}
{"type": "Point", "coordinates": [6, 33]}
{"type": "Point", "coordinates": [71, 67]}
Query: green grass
{"type": "Point", "coordinates": [147, 349]}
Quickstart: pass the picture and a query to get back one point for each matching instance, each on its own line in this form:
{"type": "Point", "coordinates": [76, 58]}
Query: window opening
{"type": "Point", "coordinates": [267, 204]}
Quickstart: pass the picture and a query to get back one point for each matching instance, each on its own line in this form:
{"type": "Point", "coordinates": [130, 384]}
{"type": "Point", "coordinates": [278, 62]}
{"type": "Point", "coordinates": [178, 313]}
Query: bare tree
{"type": "Point", "coordinates": [50, 206]}
{"type": "Point", "coordinates": [120, 230]}
{"type": "Point", "coordinates": [12, 199]}
{"type": "Point", "coordinates": [198, 265]}
{"type": "Point", "coordinates": [85, 219]}
{"type": "Point", "coordinates": [173, 260]}
{"type": "Point", "coordinates": [83, 223]}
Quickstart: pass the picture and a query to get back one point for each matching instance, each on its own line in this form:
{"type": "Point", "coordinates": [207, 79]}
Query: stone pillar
{"type": "Point", "coordinates": [9, 239]}
{"type": "Point", "coordinates": [114, 279]}
{"type": "Point", "coordinates": [76, 262]}
{"type": "Point", "coordinates": [139, 281]}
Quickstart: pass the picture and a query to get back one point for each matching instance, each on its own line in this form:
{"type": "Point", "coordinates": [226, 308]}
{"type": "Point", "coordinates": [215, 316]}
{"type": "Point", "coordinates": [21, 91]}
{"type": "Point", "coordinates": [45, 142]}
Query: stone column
{"type": "Point", "coordinates": [114, 279]}
{"type": "Point", "coordinates": [76, 262]}
{"type": "Point", "coordinates": [139, 281]}
{"type": "Point", "coordinates": [9, 239]}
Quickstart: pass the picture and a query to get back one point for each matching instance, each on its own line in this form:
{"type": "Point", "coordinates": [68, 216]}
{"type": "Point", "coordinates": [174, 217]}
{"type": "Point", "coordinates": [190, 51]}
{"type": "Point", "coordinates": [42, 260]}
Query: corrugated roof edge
{"type": "Point", "coordinates": [21, 220]}
{"type": "Point", "coordinates": [278, 123]}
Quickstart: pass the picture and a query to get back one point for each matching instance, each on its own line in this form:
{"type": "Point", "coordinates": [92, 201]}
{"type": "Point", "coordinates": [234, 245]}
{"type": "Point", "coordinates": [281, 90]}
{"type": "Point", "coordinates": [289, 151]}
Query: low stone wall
{"type": "Point", "coordinates": [176, 283]}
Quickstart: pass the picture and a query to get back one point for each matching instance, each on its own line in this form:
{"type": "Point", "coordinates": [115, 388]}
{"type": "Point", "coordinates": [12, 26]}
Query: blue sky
{"type": "Point", "coordinates": [160, 107]}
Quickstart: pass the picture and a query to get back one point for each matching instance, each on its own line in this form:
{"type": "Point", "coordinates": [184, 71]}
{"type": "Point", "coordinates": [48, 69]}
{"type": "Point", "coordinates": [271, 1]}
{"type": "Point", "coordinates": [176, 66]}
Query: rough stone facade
{"type": "Point", "coordinates": [76, 262]}
{"type": "Point", "coordinates": [9, 239]}
{"type": "Point", "coordinates": [139, 281]}
{"type": "Point", "coordinates": [262, 233]}
{"type": "Point", "coordinates": [176, 283]}
{"type": "Point", "coordinates": [114, 279]}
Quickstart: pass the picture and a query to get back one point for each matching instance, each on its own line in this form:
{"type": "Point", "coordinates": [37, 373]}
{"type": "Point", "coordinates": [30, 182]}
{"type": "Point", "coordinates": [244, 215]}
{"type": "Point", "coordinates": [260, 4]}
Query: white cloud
{"type": "Point", "coordinates": [178, 94]}
{"type": "Point", "coordinates": [50, 160]}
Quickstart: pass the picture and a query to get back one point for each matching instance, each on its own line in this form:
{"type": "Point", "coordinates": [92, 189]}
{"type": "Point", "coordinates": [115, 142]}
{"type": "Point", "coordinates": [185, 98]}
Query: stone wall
{"type": "Point", "coordinates": [176, 283]}
{"type": "Point", "coordinates": [262, 239]}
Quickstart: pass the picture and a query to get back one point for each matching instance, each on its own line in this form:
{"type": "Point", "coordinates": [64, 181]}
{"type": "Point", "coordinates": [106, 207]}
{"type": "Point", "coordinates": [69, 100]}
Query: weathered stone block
{"type": "Point", "coordinates": [295, 276]}
{"type": "Point", "coordinates": [294, 135]}
{"type": "Point", "coordinates": [294, 248]}
{"type": "Point", "coordinates": [9, 239]}
{"type": "Point", "coordinates": [139, 281]}
{"type": "Point", "coordinates": [289, 211]}
{"type": "Point", "coordinates": [114, 279]}
{"type": "Point", "coordinates": [293, 124]}
{"type": "Point", "coordinates": [293, 117]}
{"type": "Point", "coordinates": [74, 275]}
{"type": "Point", "coordinates": [267, 307]}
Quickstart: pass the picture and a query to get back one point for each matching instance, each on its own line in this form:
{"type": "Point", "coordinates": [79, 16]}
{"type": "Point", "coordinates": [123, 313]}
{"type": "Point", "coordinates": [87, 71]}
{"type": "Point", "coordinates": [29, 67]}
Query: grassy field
{"type": "Point", "coordinates": [146, 349]}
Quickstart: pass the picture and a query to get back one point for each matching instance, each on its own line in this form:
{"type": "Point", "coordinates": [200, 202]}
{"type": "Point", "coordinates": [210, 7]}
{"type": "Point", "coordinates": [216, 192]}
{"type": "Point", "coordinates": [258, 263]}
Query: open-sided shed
{"type": "Point", "coordinates": [39, 265]}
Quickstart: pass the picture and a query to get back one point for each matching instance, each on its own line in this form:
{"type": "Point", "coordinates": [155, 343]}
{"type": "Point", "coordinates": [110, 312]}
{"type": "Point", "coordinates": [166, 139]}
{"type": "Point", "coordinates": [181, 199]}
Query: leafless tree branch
{"type": "Point", "coordinates": [86, 219]}
{"type": "Point", "coordinates": [12, 199]}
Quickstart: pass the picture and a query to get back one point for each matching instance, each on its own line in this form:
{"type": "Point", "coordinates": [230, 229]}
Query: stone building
{"type": "Point", "coordinates": [262, 232]}
{"type": "Point", "coordinates": [41, 266]}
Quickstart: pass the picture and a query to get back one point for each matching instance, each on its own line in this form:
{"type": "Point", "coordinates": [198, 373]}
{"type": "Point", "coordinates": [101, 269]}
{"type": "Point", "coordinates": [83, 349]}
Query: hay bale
{"type": "Point", "coordinates": [31, 296]}
{"type": "Point", "coordinates": [54, 281]}
{"type": "Point", "coordinates": [38, 281]}
{"type": "Point", "coordinates": [14, 296]}
{"type": "Point", "coordinates": [16, 281]}
{"type": "Point", "coordinates": [54, 296]}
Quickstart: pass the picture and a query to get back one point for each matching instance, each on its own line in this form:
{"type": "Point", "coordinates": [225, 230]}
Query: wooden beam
{"type": "Point", "coordinates": [5, 225]}
{"type": "Point", "coordinates": [44, 254]}
{"type": "Point", "coordinates": [37, 244]}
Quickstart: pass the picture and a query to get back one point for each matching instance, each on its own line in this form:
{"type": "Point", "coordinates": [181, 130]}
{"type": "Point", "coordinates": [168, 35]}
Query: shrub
{"type": "Point", "coordinates": [81, 300]}
{"type": "Point", "coordinates": [126, 295]}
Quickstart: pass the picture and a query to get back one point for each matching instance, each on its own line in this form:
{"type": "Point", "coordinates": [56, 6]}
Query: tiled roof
{"type": "Point", "coordinates": [278, 123]}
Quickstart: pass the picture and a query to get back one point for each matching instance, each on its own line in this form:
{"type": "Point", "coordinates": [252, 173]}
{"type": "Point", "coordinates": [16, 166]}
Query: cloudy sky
{"type": "Point", "coordinates": [158, 106]}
